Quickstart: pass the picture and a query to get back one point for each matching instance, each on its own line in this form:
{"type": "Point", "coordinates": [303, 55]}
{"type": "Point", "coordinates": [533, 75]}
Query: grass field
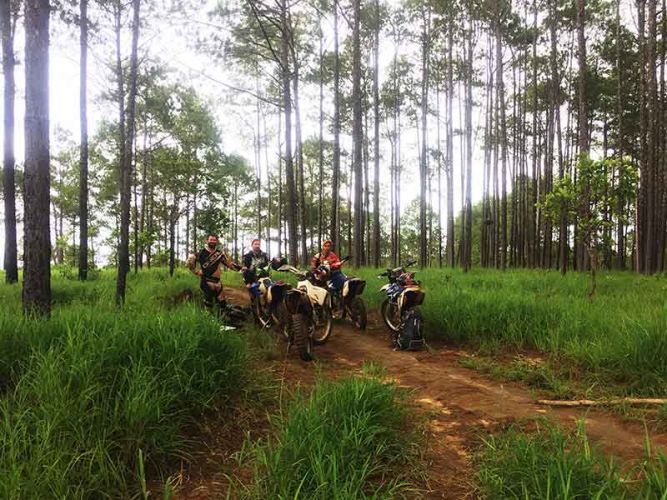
{"type": "Point", "coordinates": [618, 337]}
{"type": "Point", "coordinates": [95, 399]}
{"type": "Point", "coordinates": [94, 395]}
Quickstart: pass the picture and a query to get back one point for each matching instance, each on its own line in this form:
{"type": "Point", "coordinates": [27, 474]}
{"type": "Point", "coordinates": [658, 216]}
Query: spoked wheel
{"type": "Point", "coordinates": [356, 310]}
{"type": "Point", "coordinates": [390, 315]}
{"type": "Point", "coordinates": [323, 322]}
{"type": "Point", "coordinates": [301, 337]}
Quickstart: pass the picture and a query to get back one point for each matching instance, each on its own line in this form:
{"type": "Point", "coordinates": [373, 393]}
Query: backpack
{"type": "Point", "coordinates": [410, 336]}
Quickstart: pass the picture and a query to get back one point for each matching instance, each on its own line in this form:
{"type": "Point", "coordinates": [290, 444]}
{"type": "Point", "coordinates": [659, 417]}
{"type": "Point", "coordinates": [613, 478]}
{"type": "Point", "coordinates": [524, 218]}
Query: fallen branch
{"type": "Point", "coordinates": [604, 402]}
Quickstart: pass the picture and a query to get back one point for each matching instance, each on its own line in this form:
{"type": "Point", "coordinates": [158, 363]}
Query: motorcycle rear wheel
{"type": "Point", "coordinates": [301, 338]}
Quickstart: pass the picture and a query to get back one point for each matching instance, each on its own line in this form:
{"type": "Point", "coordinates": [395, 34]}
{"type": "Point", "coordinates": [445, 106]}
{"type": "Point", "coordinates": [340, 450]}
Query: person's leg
{"type": "Point", "coordinates": [208, 294]}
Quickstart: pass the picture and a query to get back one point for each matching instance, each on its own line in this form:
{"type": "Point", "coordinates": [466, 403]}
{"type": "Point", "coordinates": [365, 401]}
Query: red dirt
{"type": "Point", "coordinates": [459, 403]}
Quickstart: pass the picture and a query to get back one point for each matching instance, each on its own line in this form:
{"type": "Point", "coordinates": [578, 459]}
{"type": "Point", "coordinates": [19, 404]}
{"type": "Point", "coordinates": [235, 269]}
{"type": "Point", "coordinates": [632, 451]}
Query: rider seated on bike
{"type": "Point", "coordinates": [327, 257]}
{"type": "Point", "coordinates": [255, 259]}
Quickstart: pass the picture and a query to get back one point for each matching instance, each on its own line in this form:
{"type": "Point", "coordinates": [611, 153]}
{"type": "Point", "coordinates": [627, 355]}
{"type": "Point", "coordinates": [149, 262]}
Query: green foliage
{"type": "Point", "coordinates": [349, 440]}
{"type": "Point", "coordinates": [547, 464]}
{"type": "Point", "coordinates": [86, 393]}
{"type": "Point", "coordinates": [593, 200]}
{"type": "Point", "coordinates": [553, 464]}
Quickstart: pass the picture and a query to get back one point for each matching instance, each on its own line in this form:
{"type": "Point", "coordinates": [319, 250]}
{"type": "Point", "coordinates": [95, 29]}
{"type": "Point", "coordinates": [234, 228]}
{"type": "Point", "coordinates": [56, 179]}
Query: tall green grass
{"type": "Point", "coordinates": [550, 464]}
{"type": "Point", "coordinates": [619, 336]}
{"type": "Point", "coordinates": [88, 392]}
{"type": "Point", "coordinates": [348, 440]}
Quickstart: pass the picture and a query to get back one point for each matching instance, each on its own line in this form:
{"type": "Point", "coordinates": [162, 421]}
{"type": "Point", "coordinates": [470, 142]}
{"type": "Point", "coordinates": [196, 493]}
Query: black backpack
{"type": "Point", "coordinates": [410, 337]}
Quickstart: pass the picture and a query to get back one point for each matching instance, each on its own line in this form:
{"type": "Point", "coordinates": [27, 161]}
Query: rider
{"type": "Point", "coordinates": [327, 256]}
{"type": "Point", "coordinates": [210, 260]}
{"type": "Point", "coordinates": [255, 259]}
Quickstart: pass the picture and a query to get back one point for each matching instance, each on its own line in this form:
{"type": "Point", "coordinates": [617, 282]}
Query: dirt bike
{"type": "Point", "coordinates": [345, 293]}
{"type": "Point", "coordinates": [276, 303]}
{"type": "Point", "coordinates": [320, 302]}
{"type": "Point", "coordinates": [266, 296]}
{"type": "Point", "coordinates": [400, 310]}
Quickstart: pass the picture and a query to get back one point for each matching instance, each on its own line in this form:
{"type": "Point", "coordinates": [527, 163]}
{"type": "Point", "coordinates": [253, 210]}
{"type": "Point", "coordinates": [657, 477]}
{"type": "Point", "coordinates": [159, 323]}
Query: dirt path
{"type": "Point", "coordinates": [460, 403]}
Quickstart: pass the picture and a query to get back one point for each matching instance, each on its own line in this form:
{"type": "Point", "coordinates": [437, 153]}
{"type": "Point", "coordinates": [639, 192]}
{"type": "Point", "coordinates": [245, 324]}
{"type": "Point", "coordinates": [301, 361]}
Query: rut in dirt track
{"type": "Point", "coordinates": [459, 402]}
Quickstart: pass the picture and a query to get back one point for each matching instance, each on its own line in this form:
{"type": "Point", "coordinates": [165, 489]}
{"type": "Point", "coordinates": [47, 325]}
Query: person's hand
{"type": "Point", "coordinates": [199, 273]}
{"type": "Point", "coordinates": [244, 269]}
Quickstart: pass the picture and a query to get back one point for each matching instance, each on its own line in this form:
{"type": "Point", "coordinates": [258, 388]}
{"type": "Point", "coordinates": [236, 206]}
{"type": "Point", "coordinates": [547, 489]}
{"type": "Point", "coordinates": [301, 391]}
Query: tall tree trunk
{"type": "Point", "coordinates": [126, 168]}
{"type": "Point", "coordinates": [376, 138]}
{"type": "Point", "coordinates": [555, 91]}
{"type": "Point", "coordinates": [449, 157]}
{"type": "Point", "coordinates": [37, 247]}
{"type": "Point", "coordinates": [303, 214]}
{"type": "Point", "coordinates": [423, 164]}
{"type": "Point", "coordinates": [289, 165]}
{"type": "Point", "coordinates": [258, 165]}
{"type": "Point", "coordinates": [8, 179]}
{"type": "Point", "coordinates": [357, 137]}
{"type": "Point", "coordinates": [467, 253]}
{"type": "Point", "coordinates": [582, 254]}
{"type": "Point", "coordinates": [503, 142]}
{"type": "Point", "coordinates": [653, 235]}
{"type": "Point", "coordinates": [335, 181]}
{"type": "Point", "coordinates": [83, 161]}
{"type": "Point", "coordinates": [320, 159]}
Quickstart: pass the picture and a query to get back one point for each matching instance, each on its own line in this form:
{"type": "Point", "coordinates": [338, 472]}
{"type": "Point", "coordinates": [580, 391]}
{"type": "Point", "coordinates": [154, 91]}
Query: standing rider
{"type": "Point", "coordinates": [256, 258]}
{"type": "Point", "coordinates": [210, 260]}
{"type": "Point", "coordinates": [328, 257]}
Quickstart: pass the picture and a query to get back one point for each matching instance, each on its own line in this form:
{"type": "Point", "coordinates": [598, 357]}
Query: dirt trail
{"type": "Point", "coordinates": [459, 402]}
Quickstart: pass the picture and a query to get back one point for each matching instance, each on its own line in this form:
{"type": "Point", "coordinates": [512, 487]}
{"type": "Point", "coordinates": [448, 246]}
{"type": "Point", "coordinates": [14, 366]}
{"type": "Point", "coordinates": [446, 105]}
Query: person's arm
{"type": "Point", "coordinates": [230, 264]}
{"type": "Point", "coordinates": [191, 264]}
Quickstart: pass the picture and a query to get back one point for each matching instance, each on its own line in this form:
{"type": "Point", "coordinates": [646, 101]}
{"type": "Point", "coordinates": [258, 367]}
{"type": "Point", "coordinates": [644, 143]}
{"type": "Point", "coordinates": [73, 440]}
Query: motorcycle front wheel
{"type": "Point", "coordinates": [389, 311]}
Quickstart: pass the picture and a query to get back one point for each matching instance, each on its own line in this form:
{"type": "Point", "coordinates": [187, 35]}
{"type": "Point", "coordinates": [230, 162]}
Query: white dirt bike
{"type": "Point", "coordinates": [320, 301]}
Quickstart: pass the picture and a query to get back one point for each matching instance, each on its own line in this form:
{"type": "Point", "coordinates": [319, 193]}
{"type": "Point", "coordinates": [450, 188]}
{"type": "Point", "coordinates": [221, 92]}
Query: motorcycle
{"type": "Point", "coordinates": [400, 310]}
{"type": "Point", "coordinates": [320, 303]}
{"type": "Point", "coordinates": [346, 297]}
{"type": "Point", "coordinates": [276, 303]}
{"type": "Point", "coordinates": [266, 297]}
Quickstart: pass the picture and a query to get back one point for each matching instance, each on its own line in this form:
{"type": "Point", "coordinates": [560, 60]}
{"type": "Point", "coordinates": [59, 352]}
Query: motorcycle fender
{"type": "Point", "coordinates": [385, 288]}
{"type": "Point", "coordinates": [319, 294]}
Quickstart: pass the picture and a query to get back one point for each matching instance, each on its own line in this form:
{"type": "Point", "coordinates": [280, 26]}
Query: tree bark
{"type": "Point", "coordinates": [449, 158]}
{"type": "Point", "coordinates": [126, 167]}
{"type": "Point", "coordinates": [37, 246]}
{"type": "Point", "coordinates": [423, 164]}
{"type": "Point", "coordinates": [376, 138]}
{"type": "Point", "coordinates": [335, 181]}
{"type": "Point", "coordinates": [582, 255]}
{"type": "Point", "coordinates": [83, 154]}
{"type": "Point", "coordinates": [357, 137]}
{"type": "Point", "coordinates": [287, 109]}
{"type": "Point", "coordinates": [8, 177]}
